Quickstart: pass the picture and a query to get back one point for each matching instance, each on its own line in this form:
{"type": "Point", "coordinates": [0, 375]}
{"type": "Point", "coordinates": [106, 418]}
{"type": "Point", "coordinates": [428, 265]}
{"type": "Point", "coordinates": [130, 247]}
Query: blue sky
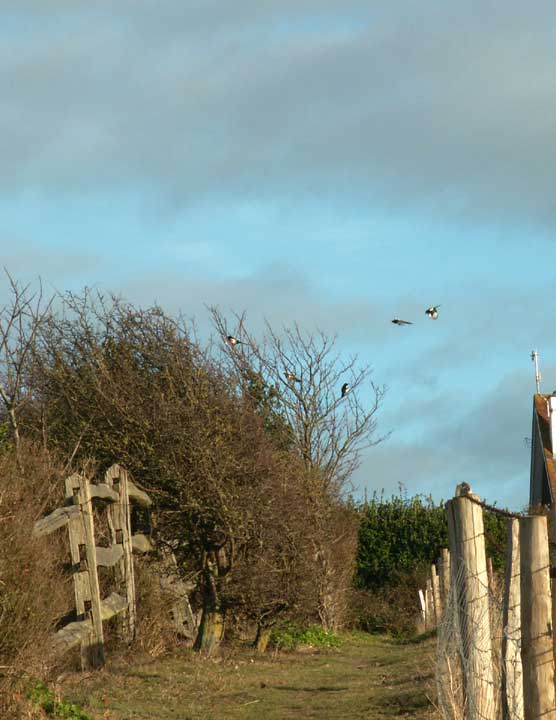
{"type": "Point", "coordinates": [325, 162]}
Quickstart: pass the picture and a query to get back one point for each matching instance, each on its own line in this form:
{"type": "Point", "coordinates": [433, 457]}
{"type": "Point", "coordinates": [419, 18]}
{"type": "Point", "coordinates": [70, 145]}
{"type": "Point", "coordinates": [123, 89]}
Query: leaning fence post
{"type": "Point", "coordinates": [512, 680]}
{"type": "Point", "coordinates": [84, 563]}
{"type": "Point", "coordinates": [469, 573]}
{"type": "Point", "coordinates": [536, 620]}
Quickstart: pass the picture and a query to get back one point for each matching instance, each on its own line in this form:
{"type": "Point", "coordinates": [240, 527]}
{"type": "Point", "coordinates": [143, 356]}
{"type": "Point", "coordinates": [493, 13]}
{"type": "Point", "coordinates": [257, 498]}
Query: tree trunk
{"type": "Point", "coordinates": [211, 631]}
{"type": "Point", "coordinates": [262, 639]}
{"type": "Point", "coordinates": [211, 627]}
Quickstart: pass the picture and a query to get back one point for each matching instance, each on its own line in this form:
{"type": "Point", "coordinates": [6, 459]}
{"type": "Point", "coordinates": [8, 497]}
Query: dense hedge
{"type": "Point", "coordinates": [400, 534]}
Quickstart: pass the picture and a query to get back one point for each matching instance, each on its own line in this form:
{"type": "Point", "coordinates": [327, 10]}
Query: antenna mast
{"type": "Point", "coordinates": [535, 359]}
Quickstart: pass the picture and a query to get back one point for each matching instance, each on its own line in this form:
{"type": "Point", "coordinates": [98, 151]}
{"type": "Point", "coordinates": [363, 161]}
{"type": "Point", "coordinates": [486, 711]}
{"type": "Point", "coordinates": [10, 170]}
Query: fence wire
{"type": "Point", "coordinates": [479, 673]}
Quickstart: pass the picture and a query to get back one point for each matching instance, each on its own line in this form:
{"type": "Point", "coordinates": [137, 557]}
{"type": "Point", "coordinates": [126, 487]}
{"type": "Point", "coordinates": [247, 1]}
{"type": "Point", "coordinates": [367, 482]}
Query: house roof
{"type": "Point", "coordinates": [541, 414]}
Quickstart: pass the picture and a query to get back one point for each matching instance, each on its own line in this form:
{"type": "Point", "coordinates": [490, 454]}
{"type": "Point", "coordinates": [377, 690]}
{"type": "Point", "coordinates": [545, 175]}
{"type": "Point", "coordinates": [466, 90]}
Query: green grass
{"type": "Point", "coordinates": [369, 677]}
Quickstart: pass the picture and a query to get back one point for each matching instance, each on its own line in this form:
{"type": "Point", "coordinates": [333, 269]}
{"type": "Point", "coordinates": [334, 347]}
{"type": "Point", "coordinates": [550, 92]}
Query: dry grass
{"type": "Point", "coordinates": [369, 677]}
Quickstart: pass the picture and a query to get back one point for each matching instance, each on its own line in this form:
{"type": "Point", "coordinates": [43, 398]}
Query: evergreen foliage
{"type": "Point", "coordinates": [400, 534]}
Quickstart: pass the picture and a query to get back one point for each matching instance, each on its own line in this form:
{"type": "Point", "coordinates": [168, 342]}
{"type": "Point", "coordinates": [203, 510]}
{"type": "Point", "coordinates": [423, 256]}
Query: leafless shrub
{"type": "Point", "coordinates": [35, 588]}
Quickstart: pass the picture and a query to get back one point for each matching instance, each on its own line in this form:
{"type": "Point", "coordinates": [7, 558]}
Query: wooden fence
{"type": "Point", "coordinates": [116, 493]}
{"type": "Point", "coordinates": [434, 596]}
{"type": "Point", "coordinates": [504, 638]}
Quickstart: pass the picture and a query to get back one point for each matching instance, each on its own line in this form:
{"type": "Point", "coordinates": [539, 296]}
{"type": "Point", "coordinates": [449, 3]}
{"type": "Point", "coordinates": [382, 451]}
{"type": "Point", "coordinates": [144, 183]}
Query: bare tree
{"type": "Point", "coordinates": [326, 408]}
{"type": "Point", "coordinates": [328, 404]}
{"type": "Point", "coordinates": [20, 322]}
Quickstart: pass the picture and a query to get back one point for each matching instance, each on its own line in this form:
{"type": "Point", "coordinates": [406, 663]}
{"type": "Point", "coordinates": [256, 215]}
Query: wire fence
{"type": "Point", "coordinates": [478, 650]}
{"type": "Point", "coordinates": [495, 643]}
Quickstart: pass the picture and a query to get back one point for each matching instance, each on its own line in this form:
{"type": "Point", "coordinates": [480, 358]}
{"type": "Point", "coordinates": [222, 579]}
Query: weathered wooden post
{"type": "Point", "coordinates": [436, 596]}
{"type": "Point", "coordinates": [536, 620]}
{"type": "Point", "coordinates": [84, 563]}
{"type": "Point", "coordinates": [491, 578]}
{"type": "Point", "coordinates": [429, 606]}
{"type": "Point", "coordinates": [512, 680]}
{"type": "Point", "coordinates": [444, 575]}
{"type": "Point", "coordinates": [468, 559]}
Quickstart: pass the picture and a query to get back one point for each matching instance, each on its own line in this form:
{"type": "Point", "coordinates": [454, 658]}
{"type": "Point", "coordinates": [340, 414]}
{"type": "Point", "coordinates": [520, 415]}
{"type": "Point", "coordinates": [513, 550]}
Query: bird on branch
{"type": "Point", "coordinates": [345, 389]}
{"type": "Point", "coordinates": [231, 340]}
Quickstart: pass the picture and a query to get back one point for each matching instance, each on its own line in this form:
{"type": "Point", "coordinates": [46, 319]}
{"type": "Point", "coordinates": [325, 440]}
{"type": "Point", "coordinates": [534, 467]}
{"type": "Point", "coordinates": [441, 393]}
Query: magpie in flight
{"type": "Point", "coordinates": [291, 377]}
{"type": "Point", "coordinates": [397, 321]}
{"type": "Point", "coordinates": [432, 312]}
{"type": "Point", "coordinates": [234, 341]}
{"type": "Point", "coordinates": [345, 389]}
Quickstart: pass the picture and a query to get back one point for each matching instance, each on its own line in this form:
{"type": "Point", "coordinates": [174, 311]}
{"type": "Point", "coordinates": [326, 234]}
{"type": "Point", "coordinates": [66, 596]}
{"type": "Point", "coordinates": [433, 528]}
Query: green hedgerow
{"type": "Point", "coordinates": [400, 534]}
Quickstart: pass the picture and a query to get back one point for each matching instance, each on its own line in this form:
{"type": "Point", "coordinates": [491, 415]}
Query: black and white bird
{"type": "Point", "coordinates": [397, 321]}
{"type": "Point", "coordinates": [233, 341]}
{"type": "Point", "coordinates": [464, 490]}
{"type": "Point", "coordinates": [345, 389]}
{"type": "Point", "coordinates": [432, 312]}
{"type": "Point", "coordinates": [292, 377]}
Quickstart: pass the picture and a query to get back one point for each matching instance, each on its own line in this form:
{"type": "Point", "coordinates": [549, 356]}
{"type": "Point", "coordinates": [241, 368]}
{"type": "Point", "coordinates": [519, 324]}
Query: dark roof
{"type": "Point", "coordinates": [543, 425]}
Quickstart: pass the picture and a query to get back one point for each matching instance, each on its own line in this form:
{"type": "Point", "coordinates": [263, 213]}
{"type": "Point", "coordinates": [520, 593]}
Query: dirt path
{"type": "Point", "coordinates": [368, 677]}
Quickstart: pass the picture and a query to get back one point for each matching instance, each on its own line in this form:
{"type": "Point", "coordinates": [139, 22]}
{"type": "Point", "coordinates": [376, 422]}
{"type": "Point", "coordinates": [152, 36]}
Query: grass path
{"type": "Point", "coordinates": [368, 677]}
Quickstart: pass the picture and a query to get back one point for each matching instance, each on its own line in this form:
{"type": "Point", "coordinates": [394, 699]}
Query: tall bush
{"type": "Point", "coordinates": [400, 534]}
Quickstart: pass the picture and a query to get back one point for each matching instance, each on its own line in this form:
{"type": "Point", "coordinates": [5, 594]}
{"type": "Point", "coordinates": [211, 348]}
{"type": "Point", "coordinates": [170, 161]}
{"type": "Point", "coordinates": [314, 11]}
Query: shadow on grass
{"type": "Point", "coordinates": [322, 688]}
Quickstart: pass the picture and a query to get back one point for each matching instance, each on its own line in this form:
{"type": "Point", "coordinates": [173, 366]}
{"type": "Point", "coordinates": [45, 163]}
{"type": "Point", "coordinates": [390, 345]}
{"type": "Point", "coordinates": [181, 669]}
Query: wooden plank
{"type": "Point", "coordinates": [184, 621]}
{"type": "Point", "coordinates": [103, 492]}
{"type": "Point", "coordinates": [57, 519]}
{"type": "Point", "coordinates": [77, 632]}
{"type": "Point", "coordinates": [536, 620]}
{"type": "Point", "coordinates": [109, 556]}
{"type": "Point", "coordinates": [119, 522]}
{"type": "Point", "coordinates": [96, 651]}
{"type": "Point", "coordinates": [81, 584]}
{"type": "Point", "coordinates": [137, 494]}
{"type": "Point", "coordinates": [141, 543]}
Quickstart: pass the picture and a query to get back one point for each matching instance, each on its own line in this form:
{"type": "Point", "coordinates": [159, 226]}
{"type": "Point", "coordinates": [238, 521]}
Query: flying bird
{"type": "Point", "coordinates": [291, 377]}
{"type": "Point", "coordinates": [233, 341]}
{"type": "Point", "coordinates": [397, 321]}
{"type": "Point", "coordinates": [432, 312]}
{"type": "Point", "coordinates": [345, 389]}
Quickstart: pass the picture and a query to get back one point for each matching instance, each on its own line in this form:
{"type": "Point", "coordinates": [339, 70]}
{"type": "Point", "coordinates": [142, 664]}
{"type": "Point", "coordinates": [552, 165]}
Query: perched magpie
{"type": "Point", "coordinates": [432, 312]}
{"type": "Point", "coordinates": [464, 490]}
{"type": "Point", "coordinates": [291, 377]}
{"type": "Point", "coordinates": [397, 321]}
{"type": "Point", "coordinates": [234, 341]}
{"type": "Point", "coordinates": [345, 389]}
